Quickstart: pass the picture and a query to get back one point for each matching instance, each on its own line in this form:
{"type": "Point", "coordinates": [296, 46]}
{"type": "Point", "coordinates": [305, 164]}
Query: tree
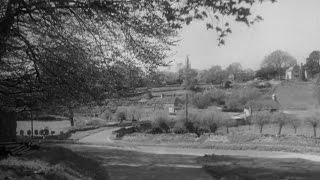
{"type": "Point", "coordinates": [279, 61]}
{"type": "Point", "coordinates": [235, 69]}
{"type": "Point", "coordinates": [266, 73]}
{"type": "Point", "coordinates": [216, 75]}
{"type": "Point", "coordinates": [295, 123]}
{"type": "Point", "coordinates": [95, 35]}
{"type": "Point", "coordinates": [261, 118]}
{"type": "Point", "coordinates": [313, 63]}
{"type": "Point", "coordinates": [135, 113]}
{"type": "Point", "coordinates": [281, 119]}
{"type": "Point", "coordinates": [314, 121]}
{"type": "Point", "coordinates": [121, 114]}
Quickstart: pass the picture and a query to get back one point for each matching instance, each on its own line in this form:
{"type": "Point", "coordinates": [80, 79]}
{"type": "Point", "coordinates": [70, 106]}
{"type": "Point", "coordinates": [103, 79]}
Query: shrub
{"type": "Point", "coordinates": [134, 113]}
{"type": "Point", "coordinates": [201, 101]}
{"type": "Point", "coordinates": [121, 114]}
{"type": "Point", "coordinates": [239, 97]}
{"type": "Point", "coordinates": [179, 127]}
{"type": "Point", "coordinates": [217, 96]}
{"type": "Point", "coordinates": [211, 120]}
{"type": "Point", "coordinates": [261, 118]}
{"type": "Point", "coordinates": [29, 132]}
{"type": "Point", "coordinates": [36, 132]}
{"type": "Point", "coordinates": [160, 120]}
{"type": "Point", "coordinates": [107, 115]}
{"type": "Point", "coordinates": [281, 119]}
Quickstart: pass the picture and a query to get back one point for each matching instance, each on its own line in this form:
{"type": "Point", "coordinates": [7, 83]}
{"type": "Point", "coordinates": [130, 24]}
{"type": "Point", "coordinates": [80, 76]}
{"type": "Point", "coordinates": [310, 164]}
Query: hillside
{"type": "Point", "coordinates": [296, 95]}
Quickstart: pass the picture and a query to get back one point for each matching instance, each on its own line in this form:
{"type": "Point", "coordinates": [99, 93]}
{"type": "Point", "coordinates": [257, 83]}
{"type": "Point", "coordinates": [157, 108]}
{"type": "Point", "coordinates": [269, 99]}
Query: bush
{"type": "Point", "coordinates": [121, 114]}
{"type": "Point", "coordinates": [179, 127]}
{"type": "Point", "coordinates": [239, 97]}
{"type": "Point", "coordinates": [217, 96]}
{"type": "Point", "coordinates": [261, 118]}
{"type": "Point", "coordinates": [134, 113]}
{"type": "Point", "coordinates": [201, 101]}
{"type": "Point", "coordinates": [160, 120]}
{"type": "Point", "coordinates": [107, 115]}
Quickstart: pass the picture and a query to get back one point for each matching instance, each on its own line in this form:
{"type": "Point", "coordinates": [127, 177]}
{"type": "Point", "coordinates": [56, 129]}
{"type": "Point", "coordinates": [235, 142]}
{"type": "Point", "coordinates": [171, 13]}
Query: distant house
{"type": "Point", "coordinates": [296, 73]}
{"type": "Point", "coordinates": [231, 77]}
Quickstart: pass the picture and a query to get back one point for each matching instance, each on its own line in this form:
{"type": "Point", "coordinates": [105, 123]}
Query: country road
{"type": "Point", "coordinates": [131, 162]}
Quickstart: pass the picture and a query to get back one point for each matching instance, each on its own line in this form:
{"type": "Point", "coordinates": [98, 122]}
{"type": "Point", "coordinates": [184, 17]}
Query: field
{"type": "Point", "coordinates": [296, 95]}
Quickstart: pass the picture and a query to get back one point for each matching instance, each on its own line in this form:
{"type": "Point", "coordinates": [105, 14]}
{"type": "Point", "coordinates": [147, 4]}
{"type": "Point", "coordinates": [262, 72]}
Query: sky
{"type": "Point", "coordinates": [288, 25]}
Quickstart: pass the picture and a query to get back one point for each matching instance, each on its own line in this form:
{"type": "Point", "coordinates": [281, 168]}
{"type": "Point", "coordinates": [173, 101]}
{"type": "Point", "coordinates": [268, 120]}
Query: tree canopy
{"type": "Point", "coordinates": [313, 63]}
{"type": "Point", "coordinates": [81, 50]}
{"type": "Point", "coordinates": [279, 60]}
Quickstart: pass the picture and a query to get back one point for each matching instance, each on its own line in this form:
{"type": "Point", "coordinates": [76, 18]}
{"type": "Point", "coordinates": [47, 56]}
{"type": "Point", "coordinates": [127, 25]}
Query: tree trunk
{"type": "Point", "coordinates": [261, 126]}
{"type": "Point", "coordinates": [227, 129]}
{"type": "Point", "coordinates": [280, 128]}
{"type": "Point", "coordinates": [314, 131]}
{"type": "Point", "coordinates": [295, 130]}
{"type": "Point", "coordinates": [71, 115]}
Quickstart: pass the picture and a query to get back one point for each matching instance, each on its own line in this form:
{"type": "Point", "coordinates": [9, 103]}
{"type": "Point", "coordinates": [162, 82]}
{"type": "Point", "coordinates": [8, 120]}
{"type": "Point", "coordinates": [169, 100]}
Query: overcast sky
{"type": "Point", "coordinates": [289, 25]}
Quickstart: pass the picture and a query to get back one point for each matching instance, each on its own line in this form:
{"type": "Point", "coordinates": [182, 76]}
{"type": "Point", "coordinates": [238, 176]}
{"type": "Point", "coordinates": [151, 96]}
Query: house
{"type": "Point", "coordinates": [296, 73]}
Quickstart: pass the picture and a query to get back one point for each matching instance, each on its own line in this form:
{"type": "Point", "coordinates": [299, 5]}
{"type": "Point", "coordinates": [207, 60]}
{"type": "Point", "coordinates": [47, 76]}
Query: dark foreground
{"type": "Point", "coordinates": [85, 162]}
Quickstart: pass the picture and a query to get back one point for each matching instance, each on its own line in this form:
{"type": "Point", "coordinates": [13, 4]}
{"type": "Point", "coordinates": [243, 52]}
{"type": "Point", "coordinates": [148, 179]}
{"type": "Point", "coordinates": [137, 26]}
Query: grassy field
{"type": "Point", "coordinates": [296, 95]}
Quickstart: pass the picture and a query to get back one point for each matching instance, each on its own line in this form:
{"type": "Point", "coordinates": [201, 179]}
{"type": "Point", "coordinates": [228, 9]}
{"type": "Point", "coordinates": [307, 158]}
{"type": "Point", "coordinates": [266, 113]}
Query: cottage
{"type": "Point", "coordinates": [296, 73]}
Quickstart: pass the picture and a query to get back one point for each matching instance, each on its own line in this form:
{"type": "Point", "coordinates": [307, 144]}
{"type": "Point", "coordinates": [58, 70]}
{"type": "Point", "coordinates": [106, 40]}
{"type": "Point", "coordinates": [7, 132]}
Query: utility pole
{"type": "Point", "coordinates": [187, 84]}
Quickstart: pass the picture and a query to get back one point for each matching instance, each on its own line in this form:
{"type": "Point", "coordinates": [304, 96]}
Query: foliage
{"type": "Point", "coordinates": [189, 76]}
{"type": "Point", "coordinates": [107, 115]}
{"type": "Point", "coordinates": [201, 101]}
{"type": "Point", "coordinates": [279, 61]}
{"type": "Point", "coordinates": [261, 118]}
{"type": "Point", "coordinates": [214, 75]}
{"type": "Point", "coordinates": [134, 113]}
{"type": "Point", "coordinates": [240, 97]}
{"type": "Point", "coordinates": [266, 73]}
{"type": "Point", "coordinates": [312, 63]}
{"type": "Point", "coordinates": [121, 114]}
{"type": "Point", "coordinates": [161, 122]}
{"type": "Point", "coordinates": [217, 96]}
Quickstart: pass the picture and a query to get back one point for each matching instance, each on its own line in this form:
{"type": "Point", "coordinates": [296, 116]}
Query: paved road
{"type": "Point", "coordinates": [132, 165]}
{"type": "Point", "coordinates": [102, 137]}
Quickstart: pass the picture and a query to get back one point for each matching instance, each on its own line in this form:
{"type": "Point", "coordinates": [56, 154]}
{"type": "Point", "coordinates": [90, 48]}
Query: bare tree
{"type": "Point", "coordinates": [314, 121]}
{"type": "Point", "coordinates": [261, 118]}
{"type": "Point", "coordinates": [281, 119]}
{"type": "Point", "coordinates": [295, 123]}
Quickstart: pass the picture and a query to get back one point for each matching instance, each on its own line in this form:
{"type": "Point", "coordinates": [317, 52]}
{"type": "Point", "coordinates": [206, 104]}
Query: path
{"type": "Point", "coordinates": [102, 137]}
{"type": "Point", "coordinates": [102, 140]}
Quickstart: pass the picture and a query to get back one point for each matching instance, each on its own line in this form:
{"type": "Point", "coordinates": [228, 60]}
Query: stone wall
{"type": "Point", "coordinates": [8, 124]}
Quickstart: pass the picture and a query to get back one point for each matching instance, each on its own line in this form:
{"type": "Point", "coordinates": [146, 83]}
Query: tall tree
{"type": "Point", "coordinates": [235, 69]}
{"type": "Point", "coordinates": [279, 61]}
{"type": "Point", "coordinates": [93, 35]}
{"type": "Point", "coordinates": [313, 63]}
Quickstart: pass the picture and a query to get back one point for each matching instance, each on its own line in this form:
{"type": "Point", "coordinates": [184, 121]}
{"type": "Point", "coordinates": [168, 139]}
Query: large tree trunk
{"type": "Point", "coordinates": [71, 115]}
{"type": "Point", "coordinates": [8, 124]}
{"type": "Point", "coordinates": [314, 131]}
{"type": "Point", "coordinates": [261, 126]}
